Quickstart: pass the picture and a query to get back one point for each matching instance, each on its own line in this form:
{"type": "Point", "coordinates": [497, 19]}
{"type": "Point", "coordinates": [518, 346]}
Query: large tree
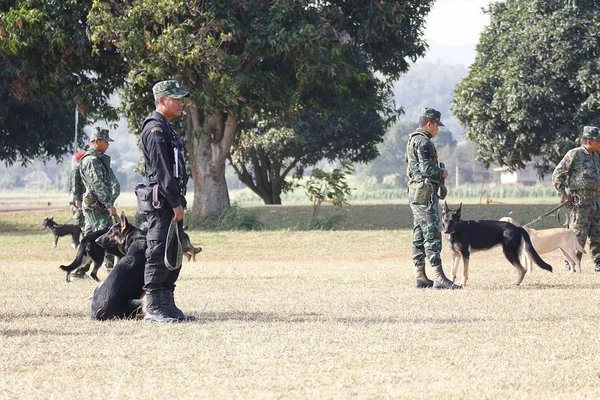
{"type": "Point", "coordinates": [535, 82]}
{"type": "Point", "coordinates": [264, 154]}
{"type": "Point", "coordinates": [243, 59]}
{"type": "Point", "coordinates": [47, 67]}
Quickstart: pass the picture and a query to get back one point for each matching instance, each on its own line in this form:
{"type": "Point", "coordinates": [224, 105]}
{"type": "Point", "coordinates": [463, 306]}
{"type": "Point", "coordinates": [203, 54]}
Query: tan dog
{"type": "Point", "coordinates": [547, 240]}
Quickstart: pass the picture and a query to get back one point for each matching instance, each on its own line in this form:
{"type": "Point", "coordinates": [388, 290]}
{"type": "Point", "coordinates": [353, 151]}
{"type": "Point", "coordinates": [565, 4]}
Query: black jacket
{"type": "Point", "coordinates": [158, 144]}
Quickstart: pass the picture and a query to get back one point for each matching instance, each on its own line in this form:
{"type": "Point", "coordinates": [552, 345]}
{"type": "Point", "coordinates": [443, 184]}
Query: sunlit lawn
{"type": "Point", "coordinates": [299, 314]}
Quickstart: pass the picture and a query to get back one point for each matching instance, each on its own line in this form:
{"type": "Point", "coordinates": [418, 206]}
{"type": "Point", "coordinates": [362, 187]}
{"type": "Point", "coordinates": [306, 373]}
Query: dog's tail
{"type": "Point", "coordinates": [534, 254]}
{"type": "Point", "coordinates": [81, 258]}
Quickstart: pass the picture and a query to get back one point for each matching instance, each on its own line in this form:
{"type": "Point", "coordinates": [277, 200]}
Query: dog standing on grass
{"type": "Point", "coordinates": [463, 237]}
{"type": "Point", "coordinates": [62, 230]}
{"type": "Point", "coordinates": [90, 252]}
{"type": "Point", "coordinates": [547, 240]}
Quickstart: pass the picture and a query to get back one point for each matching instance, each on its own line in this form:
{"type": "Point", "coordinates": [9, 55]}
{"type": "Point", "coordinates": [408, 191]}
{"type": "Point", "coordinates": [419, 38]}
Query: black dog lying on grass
{"type": "Point", "coordinates": [89, 251]}
{"type": "Point", "coordinates": [121, 294]}
{"type": "Point", "coordinates": [62, 230]}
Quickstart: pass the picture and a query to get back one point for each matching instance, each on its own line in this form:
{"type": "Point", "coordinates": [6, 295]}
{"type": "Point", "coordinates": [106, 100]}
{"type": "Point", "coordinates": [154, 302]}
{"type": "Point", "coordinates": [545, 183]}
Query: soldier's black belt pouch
{"type": "Point", "coordinates": [145, 201]}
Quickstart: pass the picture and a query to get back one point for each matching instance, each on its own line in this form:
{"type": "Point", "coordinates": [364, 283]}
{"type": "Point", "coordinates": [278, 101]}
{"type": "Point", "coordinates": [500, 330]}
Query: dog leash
{"type": "Point", "coordinates": [574, 202]}
{"type": "Point", "coordinates": [173, 234]}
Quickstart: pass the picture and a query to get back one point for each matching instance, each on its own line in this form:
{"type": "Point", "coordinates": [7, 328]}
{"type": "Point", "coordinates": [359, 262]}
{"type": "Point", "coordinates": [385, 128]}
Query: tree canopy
{"type": "Point", "coordinates": [535, 82]}
{"type": "Point", "coordinates": [47, 68]}
{"type": "Point", "coordinates": [254, 59]}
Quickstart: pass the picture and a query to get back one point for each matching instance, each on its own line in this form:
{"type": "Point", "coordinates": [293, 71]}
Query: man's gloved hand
{"type": "Point", "coordinates": [443, 192]}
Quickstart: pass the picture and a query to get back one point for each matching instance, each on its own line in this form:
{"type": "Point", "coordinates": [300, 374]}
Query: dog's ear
{"type": "Point", "coordinates": [124, 222]}
{"type": "Point", "coordinates": [459, 209]}
{"type": "Point", "coordinates": [445, 208]}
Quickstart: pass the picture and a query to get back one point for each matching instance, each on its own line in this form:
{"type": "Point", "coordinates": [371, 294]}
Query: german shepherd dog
{"type": "Point", "coordinates": [89, 251]}
{"type": "Point", "coordinates": [466, 236]}
{"type": "Point", "coordinates": [121, 294]}
{"type": "Point", "coordinates": [62, 230]}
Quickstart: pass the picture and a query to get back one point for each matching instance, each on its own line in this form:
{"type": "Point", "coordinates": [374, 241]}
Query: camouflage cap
{"type": "Point", "coordinates": [168, 89]}
{"type": "Point", "coordinates": [99, 133]}
{"type": "Point", "coordinates": [431, 114]}
{"type": "Point", "coordinates": [591, 132]}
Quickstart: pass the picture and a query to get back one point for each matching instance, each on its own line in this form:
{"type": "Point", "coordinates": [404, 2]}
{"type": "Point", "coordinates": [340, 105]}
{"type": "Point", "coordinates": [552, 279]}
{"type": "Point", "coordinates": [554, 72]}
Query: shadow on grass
{"type": "Point", "coordinates": [394, 216]}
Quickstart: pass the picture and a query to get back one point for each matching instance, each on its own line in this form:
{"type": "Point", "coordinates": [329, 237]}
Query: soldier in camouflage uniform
{"type": "Point", "coordinates": [101, 190]}
{"type": "Point", "coordinates": [577, 176]}
{"type": "Point", "coordinates": [77, 190]}
{"type": "Point", "coordinates": [425, 177]}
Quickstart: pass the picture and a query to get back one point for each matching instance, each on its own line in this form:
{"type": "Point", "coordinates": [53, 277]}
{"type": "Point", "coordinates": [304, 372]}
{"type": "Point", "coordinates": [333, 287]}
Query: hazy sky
{"type": "Point", "coordinates": [452, 31]}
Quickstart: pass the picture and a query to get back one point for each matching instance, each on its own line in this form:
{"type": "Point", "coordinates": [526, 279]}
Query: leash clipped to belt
{"type": "Point", "coordinates": [173, 234]}
{"type": "Point", "coordinates": [574, 201]}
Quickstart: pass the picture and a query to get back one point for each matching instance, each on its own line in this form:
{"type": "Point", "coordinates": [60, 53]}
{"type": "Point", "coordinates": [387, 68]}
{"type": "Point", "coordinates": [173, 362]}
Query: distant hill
{"type": "Point", "coordinates": [429, 84]}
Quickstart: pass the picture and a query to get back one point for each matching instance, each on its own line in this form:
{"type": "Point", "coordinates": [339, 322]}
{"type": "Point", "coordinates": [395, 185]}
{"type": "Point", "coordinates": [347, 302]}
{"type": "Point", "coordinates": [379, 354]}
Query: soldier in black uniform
{"type": "Point", "coordinates": [165, 168]}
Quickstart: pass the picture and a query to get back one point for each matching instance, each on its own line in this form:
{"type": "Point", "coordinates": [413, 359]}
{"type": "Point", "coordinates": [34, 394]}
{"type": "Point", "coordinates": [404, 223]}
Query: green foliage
{"type": "Point", "coordinates": [272, 61]}
{"type": "Point", "coordinates": [235, 218]}
{"type": "Point", "coordinates": [329, 186]}
{"type": "Point", "coordinates": [47, 68]}
{"type": "Point", "coordinates": [535, 82]}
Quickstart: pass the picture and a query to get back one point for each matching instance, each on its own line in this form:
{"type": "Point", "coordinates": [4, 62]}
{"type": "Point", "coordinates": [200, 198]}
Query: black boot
{"type": "Point", "coordinates": [441, 282]}
{"type": "Point", "coordinates": [155, 312]}
{"type": "Point", "coordinates": [168, 304]}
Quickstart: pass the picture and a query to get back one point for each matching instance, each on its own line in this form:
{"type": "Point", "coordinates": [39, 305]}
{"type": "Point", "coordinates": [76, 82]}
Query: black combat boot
{"type": "Point", "coordinates": [441, 282]}
{"type": "Point", "coordinates": [168, 304]}
{"type": "Point", "coordinates": [421, 278]}
{"type": "Point", "coordinates": [155, 312]}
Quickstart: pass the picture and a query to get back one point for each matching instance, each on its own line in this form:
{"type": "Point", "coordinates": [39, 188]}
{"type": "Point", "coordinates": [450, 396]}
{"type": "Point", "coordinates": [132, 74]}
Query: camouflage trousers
{"type": "Point", "coordinates": [427, 237]}
{"type": "Point", "coordinates": [94, 221]}
{"type": "Point", "coordinates": [585, 222]}
{"type": "Point", "coordinates": [78, 217]}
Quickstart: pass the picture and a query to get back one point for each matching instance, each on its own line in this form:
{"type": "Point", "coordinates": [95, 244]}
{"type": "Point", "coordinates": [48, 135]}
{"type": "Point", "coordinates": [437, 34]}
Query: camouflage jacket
{"type": "Point", "coordinates": [579, 169]}
{"type": "Point", "coordinates": [77, 188]}
{"type": "Point", "coordinates": [98, 178]}
{"type": "Point", "coordinates": [422, 158]}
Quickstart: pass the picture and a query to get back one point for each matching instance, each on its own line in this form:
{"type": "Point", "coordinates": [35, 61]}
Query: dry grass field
{"type": "Point", "coordinates": [300, 315]}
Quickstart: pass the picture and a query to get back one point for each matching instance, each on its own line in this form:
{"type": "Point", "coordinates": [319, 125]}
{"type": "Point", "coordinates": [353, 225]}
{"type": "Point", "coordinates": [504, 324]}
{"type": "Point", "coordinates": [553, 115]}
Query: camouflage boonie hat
{"type": "Point", "coordinates": [168, 89]}
{"type": "Point", "coordinates": [431, 114]}
{"type": "Point", "coordinates": [591, 132]}
{"type": "Point", "coordinates": [99, 133]}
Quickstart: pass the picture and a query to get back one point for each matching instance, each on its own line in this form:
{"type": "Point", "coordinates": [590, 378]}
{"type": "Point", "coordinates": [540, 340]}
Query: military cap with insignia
{"type": "Point", "coordinates": [431, 114]}
{"type": "Point", "coordinates": [591, 132]}
{"type": "Point", "coordinates": [99, 133]}
{"type": "Point", "coordinates": [169, 88]}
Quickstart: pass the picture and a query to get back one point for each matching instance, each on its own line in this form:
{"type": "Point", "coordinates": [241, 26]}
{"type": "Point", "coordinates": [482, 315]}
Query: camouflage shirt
{"type": "Point", "coordinates": [77, 187]}
{"type": "Point", "coordinates": [98, 178]}
{"type": "Point", "coordinates": [422, 158]}
{"type": "Point", "coordinates": [579, 169]}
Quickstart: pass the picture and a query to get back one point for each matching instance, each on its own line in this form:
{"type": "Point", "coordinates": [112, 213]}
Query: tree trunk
{"type": "Point", "coordinates": [267, 181]}
{"type": "Point", "coordinates": [208, 146]}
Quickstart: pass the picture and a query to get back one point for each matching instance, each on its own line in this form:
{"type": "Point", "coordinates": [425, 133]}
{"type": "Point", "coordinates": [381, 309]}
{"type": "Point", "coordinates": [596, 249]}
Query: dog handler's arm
{"type": "Point", "coordinates": [560, 176]}
{"type": "Point", "coordinates": [427, 165]}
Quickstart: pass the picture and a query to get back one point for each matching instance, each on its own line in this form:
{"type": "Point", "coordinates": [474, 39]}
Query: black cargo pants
{"type": "Point", "coordinates": [156, 275]}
